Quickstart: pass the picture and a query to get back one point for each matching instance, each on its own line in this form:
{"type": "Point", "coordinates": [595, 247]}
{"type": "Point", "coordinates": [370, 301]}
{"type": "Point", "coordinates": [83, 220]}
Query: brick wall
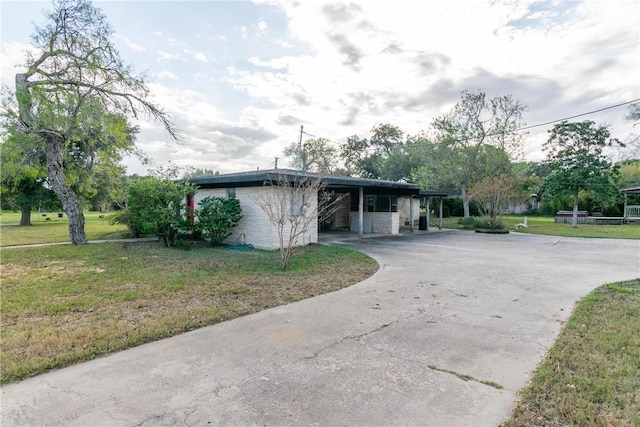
{"type": "Point", "coordinates": [377, 222]}
{"type": "Point", "coordinates": [255, 224]}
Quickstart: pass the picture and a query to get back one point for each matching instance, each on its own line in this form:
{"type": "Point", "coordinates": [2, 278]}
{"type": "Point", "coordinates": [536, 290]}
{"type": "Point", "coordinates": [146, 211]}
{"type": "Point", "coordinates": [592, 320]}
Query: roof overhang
{"type": "Point", "coordinates": [339, 184]}
{"type": "Point", "coordinates": [631, 190]}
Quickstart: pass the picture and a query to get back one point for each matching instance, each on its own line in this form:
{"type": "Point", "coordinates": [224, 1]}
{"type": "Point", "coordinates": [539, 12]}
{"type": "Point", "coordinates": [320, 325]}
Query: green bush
{"type": "Point", "coordinates": [156, 206]}
{"type": "Point", "coordinates": [215, 216]}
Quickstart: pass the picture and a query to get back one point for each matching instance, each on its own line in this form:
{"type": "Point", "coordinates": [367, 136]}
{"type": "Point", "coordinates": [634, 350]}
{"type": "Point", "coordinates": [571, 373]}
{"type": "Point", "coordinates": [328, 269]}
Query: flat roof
{"type": "Point", "coordinates": [631, 190]}
{"type": "Point", "coordinates": [334, 183]}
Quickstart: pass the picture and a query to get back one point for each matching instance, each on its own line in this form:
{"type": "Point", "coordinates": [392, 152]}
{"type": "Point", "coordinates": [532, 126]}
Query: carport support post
{"type": "Point", "coordinates": [360, 212]}
{"type": "Point", "coordinates": [411, 213]}
{"type": "Point", "coordinates": [427, 207]}
{"type": "Point", "coordinates": [440, 222]}
{"type": "Point", "coordinates": [624, 212]}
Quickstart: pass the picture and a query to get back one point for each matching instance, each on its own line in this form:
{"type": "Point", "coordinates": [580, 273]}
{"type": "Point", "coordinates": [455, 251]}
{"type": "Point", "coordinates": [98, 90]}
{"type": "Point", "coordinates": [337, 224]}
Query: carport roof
{"type": "Point", "coordinates": [635, 190]}
{"type": "Point", "coordinates": [335, 183]}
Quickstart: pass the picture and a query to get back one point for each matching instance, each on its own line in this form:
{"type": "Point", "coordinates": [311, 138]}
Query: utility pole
{"type": "Point", "coordinates": [302, 156]}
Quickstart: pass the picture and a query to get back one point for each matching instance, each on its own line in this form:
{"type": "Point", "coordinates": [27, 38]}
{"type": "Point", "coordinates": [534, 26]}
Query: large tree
{"type": "Point", "coordinates": [473, 124]}
{"type": "Point", "coordinates": [75, 64]}
{"type": "Point", "coordinates": [367, 157]}
{"type": "Point", "coordinates": [575, 156]}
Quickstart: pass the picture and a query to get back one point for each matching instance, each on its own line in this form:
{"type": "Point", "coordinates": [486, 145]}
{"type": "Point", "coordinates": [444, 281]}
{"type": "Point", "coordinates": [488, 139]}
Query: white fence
{"type": "Point", "coordinates": [632, 211]}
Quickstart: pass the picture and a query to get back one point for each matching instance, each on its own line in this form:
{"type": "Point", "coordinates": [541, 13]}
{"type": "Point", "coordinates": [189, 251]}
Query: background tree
{"type": "Point", "coordinates": [22, 174]}
{"type": "Point", "coordinates": [76, 64]}
{"type": "Point", "coordinates": [94, 154]}
{"type": "Point", "coordinates": [493, 195]}
{"type": "Point", "coordinates": [192, 172]}
{"type": "Point", "coordinates": [632, 143]}
{"type": "Point", "coordinates": [215, 216]}
{"type": "Point", "coordinates": [575, 156]}
{"type": "Point", "coordinates": [317, 155]}
{"type": "Point", "coordinates": [366, 157]}
{"type": "Point", "coordinates": [475, 130]}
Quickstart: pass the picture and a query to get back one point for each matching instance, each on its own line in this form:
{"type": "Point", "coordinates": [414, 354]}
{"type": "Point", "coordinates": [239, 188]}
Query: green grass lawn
{"type": "Point", "coordinates": [545, 225]}
{"type": "Point", "coordinates": [591, 375]}
{"type": "Point", "coordinates": [66, 304]}
{"type": "Point", "coordinates": [55, 229]}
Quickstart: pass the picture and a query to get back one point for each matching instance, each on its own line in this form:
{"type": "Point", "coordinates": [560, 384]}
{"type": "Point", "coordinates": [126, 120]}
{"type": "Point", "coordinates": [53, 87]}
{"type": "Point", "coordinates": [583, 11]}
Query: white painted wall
{"type": "Point", "coordinates": [255, 224]}
{"type": "Point", "coordinates": [404, 210]}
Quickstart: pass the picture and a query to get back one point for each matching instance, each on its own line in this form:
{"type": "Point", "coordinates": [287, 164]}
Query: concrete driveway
{"type": "Point", "coordinates": [383, 352]}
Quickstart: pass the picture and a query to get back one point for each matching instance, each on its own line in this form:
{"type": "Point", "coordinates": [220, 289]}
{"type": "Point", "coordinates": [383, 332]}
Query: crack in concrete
{"type": "Point", "coordinates": [357, 337]}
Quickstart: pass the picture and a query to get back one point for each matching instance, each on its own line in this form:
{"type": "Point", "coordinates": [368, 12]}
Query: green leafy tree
{"type": "Point", "coordinates": [406, 157]}
{"type": "Point", "coordinates": [474, 124]}
{"type": "Point", "coordinates": [575, 156]}
{"type": "Point", "coordinates": [629, 173]}
{"type": "Point", "coordinates": [94, 154]}
{"type": "Point", "coordinates": [215, 216]}
{"type": "Point", "coordinates": [367, 157]}
{"type": "Point", "coordinates": [22, 174]}
{"type": "Point", "coordinates": [75, 64]}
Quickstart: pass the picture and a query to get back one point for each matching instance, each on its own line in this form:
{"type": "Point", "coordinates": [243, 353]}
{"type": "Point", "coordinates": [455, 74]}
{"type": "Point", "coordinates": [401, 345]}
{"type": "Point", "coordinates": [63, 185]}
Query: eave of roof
{"type": "Point", "coordinates": [631, 190]}
{"type": "Point", "coordinates": [257, 178]}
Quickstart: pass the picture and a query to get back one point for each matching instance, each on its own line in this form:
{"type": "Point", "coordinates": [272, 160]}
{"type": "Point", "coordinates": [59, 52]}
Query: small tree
{"type": "Point", "coordinates": [215, 216]}
{"type": "Point", "coordinates": [294, 207]}
{"type": "Point", "coordinates": [493, 195]}
{"type": "Point", "coordinates": [577, 162]}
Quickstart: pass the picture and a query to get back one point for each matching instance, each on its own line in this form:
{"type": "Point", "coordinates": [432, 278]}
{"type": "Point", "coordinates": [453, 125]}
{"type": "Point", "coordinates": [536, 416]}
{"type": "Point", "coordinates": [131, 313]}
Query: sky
{"type": "Point", "coordinates": [240, 78]}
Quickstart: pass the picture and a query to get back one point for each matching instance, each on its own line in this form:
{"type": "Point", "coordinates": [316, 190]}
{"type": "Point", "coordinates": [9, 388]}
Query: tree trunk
{"type": "Point", "coordinates": [574, 219]}
{"type": "Point", "coordinates": [69, 200]}
{"type": "Point", "coordinates": [25, 218]}
{"type": "Point", "coordinates": [465, 202]}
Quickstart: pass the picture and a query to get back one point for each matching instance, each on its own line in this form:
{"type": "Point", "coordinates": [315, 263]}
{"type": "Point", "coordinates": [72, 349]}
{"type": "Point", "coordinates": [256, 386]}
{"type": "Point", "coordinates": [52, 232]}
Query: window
{"type": "Point", "coordinates": [382, 204]}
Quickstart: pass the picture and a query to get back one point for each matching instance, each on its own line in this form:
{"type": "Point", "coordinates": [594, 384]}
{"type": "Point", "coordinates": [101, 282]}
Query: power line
{"type": "Point", "coordinates": [513, 131]}
{"type": "Point", "coordinates": [578, 115]}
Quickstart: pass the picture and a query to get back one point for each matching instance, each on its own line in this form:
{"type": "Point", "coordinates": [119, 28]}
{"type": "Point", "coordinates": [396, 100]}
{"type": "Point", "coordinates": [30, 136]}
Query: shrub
{"type": "Point", "coordinates": [475, 223]}
{"type": "Point", "coordinates": [156, 206]}
{"type": "Point", "coordinates": [215, 216]}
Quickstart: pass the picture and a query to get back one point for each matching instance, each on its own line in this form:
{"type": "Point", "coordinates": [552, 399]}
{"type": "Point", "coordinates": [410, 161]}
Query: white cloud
{"type": "Point", "coordinates": [201, 57]}
{"type": "Point", "coordinates": [167, 75]}
{"type": "Point", "coordinates": [243, 31]}
{"type": "Point", "coordinates": [162, 55]}
{"type": "Point", "coordinates": [130, 44]}
{"type": "Point", "coordinates": [262, 26]}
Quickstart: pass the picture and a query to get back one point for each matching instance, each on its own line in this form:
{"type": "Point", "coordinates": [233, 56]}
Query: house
{"type": "Point", "coordinates": [364, 205]}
